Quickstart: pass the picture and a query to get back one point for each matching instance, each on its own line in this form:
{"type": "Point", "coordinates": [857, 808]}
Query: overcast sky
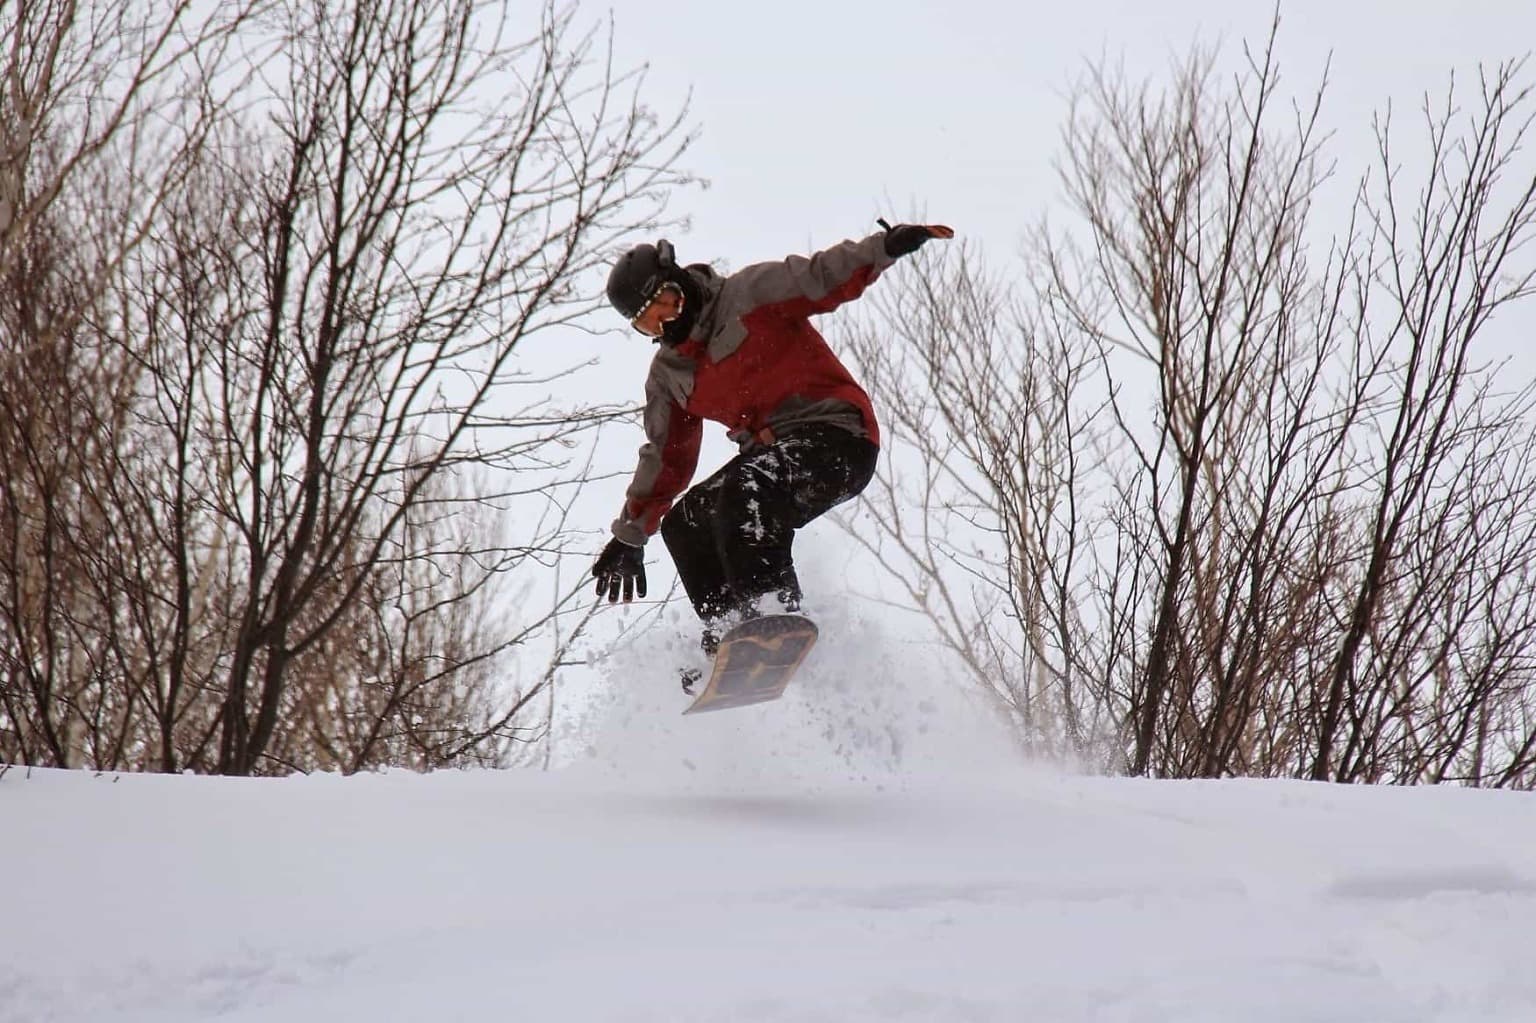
{"type": "Point", "coordinates": [816, 117]}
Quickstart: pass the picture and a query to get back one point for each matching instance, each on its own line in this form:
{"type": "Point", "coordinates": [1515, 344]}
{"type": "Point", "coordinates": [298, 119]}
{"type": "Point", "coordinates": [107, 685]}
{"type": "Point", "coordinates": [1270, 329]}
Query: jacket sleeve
{"type": "Point", "coordinates": [668, 459]}
{"type": "Point", "coordinates": [814, 284]}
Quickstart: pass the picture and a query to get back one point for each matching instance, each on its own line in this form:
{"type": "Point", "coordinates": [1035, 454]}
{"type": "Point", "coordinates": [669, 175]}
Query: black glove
{"type": "Point", "coordinates": [620, 563]}
{"type": "Point", "coordinates": [904, 239]}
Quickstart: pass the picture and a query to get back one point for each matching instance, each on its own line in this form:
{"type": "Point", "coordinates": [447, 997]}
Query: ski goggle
{"type": "Point", "coordinates": [656, 293]}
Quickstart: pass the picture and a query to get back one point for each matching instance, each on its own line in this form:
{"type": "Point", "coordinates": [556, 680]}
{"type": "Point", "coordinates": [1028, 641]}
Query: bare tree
{"type": "Point", "coordinates": [51, 385]}
{"type": "Point", "coordinates": [991, 448]}
{"type": "Point", "coordinates": [1296, 542]}
{"type": "Point", "coordinates": [302, 495]}
{"type": "Point", "coordinates": [1433, 613]}
{"type": "Point", "coordinates": [1197, 209]}
{"type": "Point", "coordinates": [102, 103]}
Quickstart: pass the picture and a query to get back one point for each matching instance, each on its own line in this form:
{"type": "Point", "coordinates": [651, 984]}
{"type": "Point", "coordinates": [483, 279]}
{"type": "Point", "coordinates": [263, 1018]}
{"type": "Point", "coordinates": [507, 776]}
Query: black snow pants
{"type": "Point", "coordinates": [730, 535]}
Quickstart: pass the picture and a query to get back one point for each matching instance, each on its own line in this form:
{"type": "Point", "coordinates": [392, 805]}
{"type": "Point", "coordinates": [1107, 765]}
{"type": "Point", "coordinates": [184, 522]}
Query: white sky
{"type": "Point", "coordinates": [816, 117]}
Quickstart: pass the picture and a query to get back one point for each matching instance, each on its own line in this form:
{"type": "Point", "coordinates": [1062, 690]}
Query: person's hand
{"type": "Point", "coordinates": [908, 238]}
{"type": "Point", "coordinates": [620, 564]}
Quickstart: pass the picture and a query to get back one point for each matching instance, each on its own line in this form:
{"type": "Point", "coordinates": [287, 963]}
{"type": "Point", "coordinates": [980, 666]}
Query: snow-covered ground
{"type": "Point", "coordinates": [861, 850]}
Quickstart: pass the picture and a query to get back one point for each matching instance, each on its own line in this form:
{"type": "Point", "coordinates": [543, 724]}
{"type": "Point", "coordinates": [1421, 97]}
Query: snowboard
{"type": "Point", "coordinates": [755, 662]}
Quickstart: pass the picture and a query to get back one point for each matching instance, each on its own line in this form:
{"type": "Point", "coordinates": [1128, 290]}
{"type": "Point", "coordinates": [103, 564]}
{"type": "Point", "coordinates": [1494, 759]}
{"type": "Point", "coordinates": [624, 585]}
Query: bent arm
{"type": "Point", "coordinates": [668, 459]}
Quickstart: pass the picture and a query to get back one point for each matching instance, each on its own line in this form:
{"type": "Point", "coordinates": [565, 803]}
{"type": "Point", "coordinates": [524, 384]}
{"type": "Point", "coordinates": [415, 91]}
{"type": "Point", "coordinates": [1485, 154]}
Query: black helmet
{"type": "Point", "coordinates": [639, 274]}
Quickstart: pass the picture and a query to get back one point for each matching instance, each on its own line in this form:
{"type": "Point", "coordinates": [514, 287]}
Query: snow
{"type": "Point", "coordinates": [582, 896]}
{"type": "Point", "coordinates": [865, 849]}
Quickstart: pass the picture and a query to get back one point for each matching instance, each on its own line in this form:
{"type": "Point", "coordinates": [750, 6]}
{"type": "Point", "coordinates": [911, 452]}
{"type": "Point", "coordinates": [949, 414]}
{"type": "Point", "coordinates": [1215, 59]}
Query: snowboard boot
{"type": "Point", "coordinates": [709, 643]}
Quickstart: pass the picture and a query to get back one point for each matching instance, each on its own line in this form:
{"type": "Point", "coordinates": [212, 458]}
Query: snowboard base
{"type": "Point", "coordinates": [755, 662]}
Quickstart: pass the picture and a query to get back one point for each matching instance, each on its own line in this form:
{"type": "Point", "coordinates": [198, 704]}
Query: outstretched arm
{"type": "Point", "coordinates": [825, 280]}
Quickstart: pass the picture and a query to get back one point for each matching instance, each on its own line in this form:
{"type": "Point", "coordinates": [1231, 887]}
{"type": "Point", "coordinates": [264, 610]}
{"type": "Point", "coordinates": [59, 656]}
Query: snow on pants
{"type": "Point", "coordinates": [730, 535]}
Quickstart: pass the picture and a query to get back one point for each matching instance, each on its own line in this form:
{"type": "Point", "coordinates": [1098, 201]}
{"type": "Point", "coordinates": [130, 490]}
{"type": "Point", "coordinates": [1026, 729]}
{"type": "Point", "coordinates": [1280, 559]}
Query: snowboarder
{"type": "Point", "coordinates": [740, 350]}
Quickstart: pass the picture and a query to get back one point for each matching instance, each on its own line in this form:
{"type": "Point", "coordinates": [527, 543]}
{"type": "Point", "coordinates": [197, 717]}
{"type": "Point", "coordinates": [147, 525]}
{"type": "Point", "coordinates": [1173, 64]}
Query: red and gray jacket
{"type": "Point", "coordinates": [754, 363]}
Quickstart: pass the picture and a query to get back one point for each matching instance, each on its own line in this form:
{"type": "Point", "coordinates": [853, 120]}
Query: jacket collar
{"type": "Point", "coordinates": [703, 290]}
